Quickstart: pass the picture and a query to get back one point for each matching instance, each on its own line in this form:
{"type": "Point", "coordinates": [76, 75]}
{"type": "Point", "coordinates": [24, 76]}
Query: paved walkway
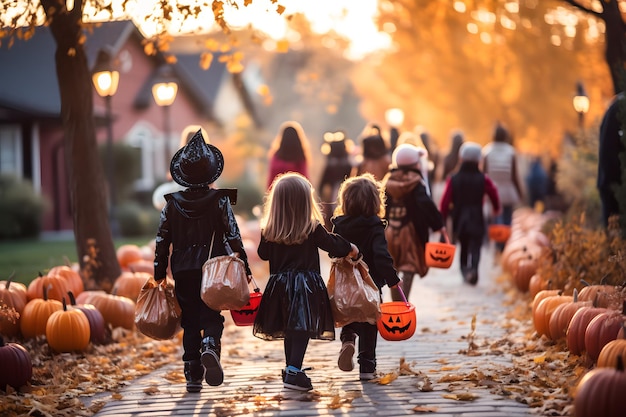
{"type": "Point", "coordinates": [442, 374]}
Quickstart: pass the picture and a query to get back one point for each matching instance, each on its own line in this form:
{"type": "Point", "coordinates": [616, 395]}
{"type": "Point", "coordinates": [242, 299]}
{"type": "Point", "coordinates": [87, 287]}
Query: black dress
{"type": "Point", "coordinates": [295, 297]}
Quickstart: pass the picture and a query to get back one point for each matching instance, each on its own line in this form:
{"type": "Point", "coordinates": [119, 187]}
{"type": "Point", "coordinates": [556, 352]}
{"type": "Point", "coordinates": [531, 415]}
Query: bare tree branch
{"type": "Point", "coordinates": [582, 8]}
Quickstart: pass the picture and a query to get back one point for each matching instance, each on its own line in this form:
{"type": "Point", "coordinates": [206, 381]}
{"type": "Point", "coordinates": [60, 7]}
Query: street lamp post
{"type": "Point", "coordinates": [581, 104]}
{"type": "Point", "coordinates": [105, 79]}
{"type": "Point", "coordinates": [164, 91]}
{"type": "Point", "coordinates": [394, 118]}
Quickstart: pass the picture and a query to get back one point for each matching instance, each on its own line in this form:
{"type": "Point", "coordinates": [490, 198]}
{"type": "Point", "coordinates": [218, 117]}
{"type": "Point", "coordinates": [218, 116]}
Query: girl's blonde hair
{"type": "Point", "coordinates": [291, 212]}
{"type": "Point", "coordinates": [361, 196]}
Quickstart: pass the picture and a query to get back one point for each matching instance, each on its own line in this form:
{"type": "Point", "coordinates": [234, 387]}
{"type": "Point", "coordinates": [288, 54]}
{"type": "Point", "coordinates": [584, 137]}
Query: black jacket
{"type": "Point", "coordinates": [368, 234]}
{"type": "Point", "coordinates": [188, 221]}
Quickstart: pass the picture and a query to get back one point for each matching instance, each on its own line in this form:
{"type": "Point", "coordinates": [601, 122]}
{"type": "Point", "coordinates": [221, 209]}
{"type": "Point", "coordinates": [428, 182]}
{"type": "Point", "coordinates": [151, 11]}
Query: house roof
{"type": "Point", "coordinates": [29, 86]}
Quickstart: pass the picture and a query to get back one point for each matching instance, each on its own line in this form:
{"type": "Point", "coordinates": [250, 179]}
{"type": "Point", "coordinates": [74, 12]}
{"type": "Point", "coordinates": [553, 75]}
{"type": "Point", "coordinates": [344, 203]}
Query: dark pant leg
{"type": "Point", "coordinates": [474, 244]}
{"type": "Point", "coordinates": [349, 333]}
{"type": "Point", "coordinates": [197, 320]}
{"type": "Point", "coordinates": [464, 251]}
{"type": "Point", "coordinates": [368, 336]}
{"type": "Point", "coordinates": [295, 348]}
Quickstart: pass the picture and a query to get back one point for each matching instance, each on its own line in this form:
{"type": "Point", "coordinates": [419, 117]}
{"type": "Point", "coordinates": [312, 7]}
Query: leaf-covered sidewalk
{"type": "Point", "coordinates": [474, 351]}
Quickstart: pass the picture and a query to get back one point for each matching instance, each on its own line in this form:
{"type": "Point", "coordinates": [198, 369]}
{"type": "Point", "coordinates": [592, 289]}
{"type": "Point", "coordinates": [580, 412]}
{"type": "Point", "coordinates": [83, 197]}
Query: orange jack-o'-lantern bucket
{"type": "Point", "coordinates": [397, 320]}
{"type": "Point", "coordinates": [499, 233]}
{"type": "Point", "coordinates": [246, 316]}
{"type": "Point", "coordinates": [439, 255]}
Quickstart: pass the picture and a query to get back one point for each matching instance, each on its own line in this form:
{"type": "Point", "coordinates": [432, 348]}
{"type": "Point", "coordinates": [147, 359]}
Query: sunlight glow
{"type": "Point", "coordinates": [507, 23]}
{"type": "Point", "coordinates": [460, 7]}
{"type": "Point", "coordinates": [351, 19]}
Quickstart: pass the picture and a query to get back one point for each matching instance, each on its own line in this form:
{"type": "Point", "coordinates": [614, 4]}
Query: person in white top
{"type": "Point", "coordinates": [499, 163]}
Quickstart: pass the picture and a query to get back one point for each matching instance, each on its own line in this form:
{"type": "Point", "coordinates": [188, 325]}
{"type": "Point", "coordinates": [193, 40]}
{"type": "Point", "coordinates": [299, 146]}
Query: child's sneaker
{"type": "Point", "coordinates": [346, 353]}
{"type": "Point", "coordinates": [194, 372]}
{"type": "Point", "coordinates": [296, 379]}
{"type": "Point", "coordinates": [214, 375]}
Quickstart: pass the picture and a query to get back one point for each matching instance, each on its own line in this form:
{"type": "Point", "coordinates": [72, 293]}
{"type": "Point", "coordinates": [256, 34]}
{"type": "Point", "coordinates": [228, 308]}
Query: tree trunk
{"type": "Point", "coordinates": [615, 53]}
{"type": "Point", "coordinates": [94, 242]}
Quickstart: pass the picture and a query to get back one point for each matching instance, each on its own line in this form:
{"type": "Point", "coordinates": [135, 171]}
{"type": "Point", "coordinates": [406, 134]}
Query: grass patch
{"type": "Point", "coordinates": [29, 257]}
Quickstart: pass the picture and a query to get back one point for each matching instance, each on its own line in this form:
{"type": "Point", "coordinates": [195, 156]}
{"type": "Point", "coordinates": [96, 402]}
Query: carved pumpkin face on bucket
{"type": "Point", "coordinates": [439, 255]}
{"type": "Point", "coordinates": [246, 316]}
{"type": "Point", "coordinates": [397, 320]}
{"type": "Point", "coordinates": [499, 232]}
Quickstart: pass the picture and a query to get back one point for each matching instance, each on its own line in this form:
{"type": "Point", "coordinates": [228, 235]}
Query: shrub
{"type": "Point", "coordinates": [136, 220]}
{"type": "Point", "coordinates": [20, 208]}
{"type": "Point", "coordinates": [579, 252]}
{"type": "Point", "coordinates": [249, 195]}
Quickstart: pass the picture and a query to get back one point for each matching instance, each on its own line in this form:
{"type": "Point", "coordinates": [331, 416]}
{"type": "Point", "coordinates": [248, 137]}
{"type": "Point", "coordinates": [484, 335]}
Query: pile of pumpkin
{"type": "Point", "coordinates": [591, 322]}
{"type": "Point", "coordinates": [57, 307]}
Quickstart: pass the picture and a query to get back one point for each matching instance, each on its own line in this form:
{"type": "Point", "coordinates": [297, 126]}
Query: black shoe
{"type": "Point", "coordinates": [213, 373]}
{"type": "Point", "coordinates": [297, 380]}
{"type": "Point", "coordinates": [194, 372]}
{"type": "Point", "coordinates": [472, 277]}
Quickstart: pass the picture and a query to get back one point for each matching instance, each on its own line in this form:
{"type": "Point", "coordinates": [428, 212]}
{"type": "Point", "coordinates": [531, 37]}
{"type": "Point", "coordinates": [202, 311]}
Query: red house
{"type": "Point", "coordinates": [31, 135]}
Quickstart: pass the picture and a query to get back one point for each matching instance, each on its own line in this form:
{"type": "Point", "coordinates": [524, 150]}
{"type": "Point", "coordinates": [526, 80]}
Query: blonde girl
{"type": "Point", "coordinates": [295, 305]}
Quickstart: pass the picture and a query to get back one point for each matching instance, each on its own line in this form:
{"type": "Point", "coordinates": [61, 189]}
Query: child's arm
{"type": "Point", "coordinates": [382, 259]}
{"type": "Point", "coordinates": [334, 244]}
{"type": "Point", "coordinates": [492, 192]}
{"type": "Point", "coordinates": [446, 200]}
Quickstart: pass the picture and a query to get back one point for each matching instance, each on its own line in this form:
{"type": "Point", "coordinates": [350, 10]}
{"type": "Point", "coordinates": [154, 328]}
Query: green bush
{"type": "Point", "coordinates": [249, 195]}
{"type": "Point", "coordinates": [21, 208]}
{"type": "Point", "coordinates": [136, 220]}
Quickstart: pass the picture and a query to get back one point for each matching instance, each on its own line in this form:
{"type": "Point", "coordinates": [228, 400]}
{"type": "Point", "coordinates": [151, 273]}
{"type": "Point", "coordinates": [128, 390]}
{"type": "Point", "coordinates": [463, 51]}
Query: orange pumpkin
{"type": "Point", "coordinates": [35, 315]}
{"type": "Point", "coordinates": [439, 255]}
{"type": "Point", "coordinates": [56, 285]}
{"type": "Point", "coordinates": [129, 284]}
{"type": "Point", "coordinates": [142, 266]}
{"type": "Point", "coordinates": [522, 273]}
{"type": "Point", "coordinates": [561, 317]}
{"type": "Point", "coordinates": [602, 329]}
{"type": "Point", "coordinates": [117, 311]}
{"type": "Point", "coordinates": [607, 296]}
{"type": "Point", "coordinates": [543, 312]}
{"type": "Point", "coordinates": [611, 351]}
{"type": "Point", "coordinates": [537, 283]}
{"type": "Point", "coordinates": [13, 296]}
{"type": "Point", "coordinates": [397, 320]}
{"type": "Point", "coordinates": [601, 392]}
{"type": "Point", "coordinates": [67, 330]}
{"type": "Point", "coordinates": [540, 296]}
{"type": "Point", "coordinates": [73, 278]}
{"type": "Point", "coordinates": [577, 327]}
{"type": "Point", "coordinates": [84, 296]}
{"type": "Point", "coordinates": [127, 254]}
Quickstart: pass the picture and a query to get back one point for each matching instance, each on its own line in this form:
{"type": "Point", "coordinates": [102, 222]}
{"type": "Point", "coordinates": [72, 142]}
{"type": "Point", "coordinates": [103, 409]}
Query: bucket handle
{"type": "Point", "coordinates": [256, 286]}
{"type": "Point", "coordinates": [402, 295]}
{"type": "Point", "coordinates": [444, 235]}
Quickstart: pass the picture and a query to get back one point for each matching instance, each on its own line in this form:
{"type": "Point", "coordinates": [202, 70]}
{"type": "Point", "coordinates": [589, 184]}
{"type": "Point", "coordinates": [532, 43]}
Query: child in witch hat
{"type": "Point", "coordinates": [188, 221]}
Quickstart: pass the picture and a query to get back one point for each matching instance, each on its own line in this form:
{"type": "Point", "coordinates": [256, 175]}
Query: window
{"type": "Point", "coordinates": [141, 137]}
{"type": "Point", "coordinates": [10, 150]}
